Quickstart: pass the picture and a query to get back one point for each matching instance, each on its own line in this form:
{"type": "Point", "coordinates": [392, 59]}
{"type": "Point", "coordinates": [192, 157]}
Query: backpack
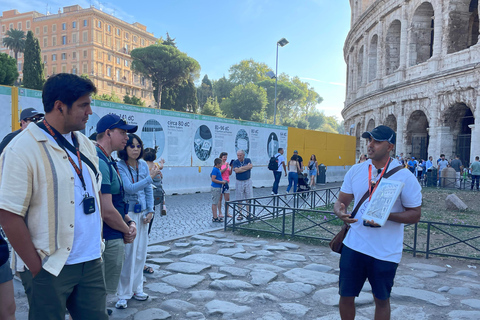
{"type": "Point", "coordinates": [273, 164]}
{"type": "Point", "coordinates": [158, 194]}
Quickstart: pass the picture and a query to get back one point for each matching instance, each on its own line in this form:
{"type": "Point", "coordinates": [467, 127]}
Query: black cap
{"type": "Point", "coordinates": [29, 113]}
{"type": "Point", "coordinates": [381, 133]}
{"type": "Point", "coordinates": [112, 121]}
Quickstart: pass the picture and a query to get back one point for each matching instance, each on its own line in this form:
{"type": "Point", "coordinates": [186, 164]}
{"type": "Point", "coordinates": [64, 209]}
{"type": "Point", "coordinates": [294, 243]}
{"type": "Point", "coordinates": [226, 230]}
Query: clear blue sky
{"type": "Point", "coordinates": [220, 33]}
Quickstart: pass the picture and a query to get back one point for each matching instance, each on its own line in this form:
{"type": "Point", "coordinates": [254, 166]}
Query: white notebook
{"type": "Point", "coordinates": [382, 201]}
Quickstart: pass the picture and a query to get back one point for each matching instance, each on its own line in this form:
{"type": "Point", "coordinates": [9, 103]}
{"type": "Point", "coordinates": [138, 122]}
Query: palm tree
{"type": "Point", "coordinates": [15, 40]}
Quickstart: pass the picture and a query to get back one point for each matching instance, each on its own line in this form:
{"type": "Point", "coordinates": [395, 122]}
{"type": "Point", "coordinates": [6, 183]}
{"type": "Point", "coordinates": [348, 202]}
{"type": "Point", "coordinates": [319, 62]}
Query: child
{"type": "Point", "coordinates": [217, 184]}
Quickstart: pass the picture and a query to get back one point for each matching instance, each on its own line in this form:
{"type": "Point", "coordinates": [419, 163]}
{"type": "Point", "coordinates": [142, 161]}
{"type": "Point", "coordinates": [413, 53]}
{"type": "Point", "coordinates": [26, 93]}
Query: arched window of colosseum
{"type": "Point", "coordinates": [458, 117]}
{"type": "Point", "coordinates": [371, 125]}
{"type": "Point", "coordinates": [416, 139]}
{"type": "Point", "coordinates": [463, 25]}
{"type": "Point", "coordinates": [360, 67]}
{"type": "Point", "coordinates": [372, 59]}
{"type": "Point", "coordinates": [391, 122]}
{"type": "Point", "coordinates": [392, 47]}
{"type": "Point", "coordinates": [421, 40]}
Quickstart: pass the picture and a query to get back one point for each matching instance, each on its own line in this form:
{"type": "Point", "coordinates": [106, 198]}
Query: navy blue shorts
{"type": "Point", "coordinates": [356, 267]}
{"type": "Point", "coordinates": [5, 272]}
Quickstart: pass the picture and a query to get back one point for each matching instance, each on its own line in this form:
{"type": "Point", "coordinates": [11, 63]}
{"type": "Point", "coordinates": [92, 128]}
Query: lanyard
{"type": "Point", "coordinates": [61, 142]}
{"type": "Point", "coordinates": [131, 174]}
{"type": "Point", "coordinates": [375, 184]}
{"type": "Point", "coordinates": [112, 162]}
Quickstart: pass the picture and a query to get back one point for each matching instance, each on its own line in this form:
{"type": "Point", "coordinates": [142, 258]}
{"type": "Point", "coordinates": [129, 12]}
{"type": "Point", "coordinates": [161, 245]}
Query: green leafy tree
{"type": "Point", "coordinates": [181, 98]}
{"type": "Point", "coordinates": [246, 102]}
{"type": "Point", "coordinates": [315, 120]}
{"type": "Point", "coordinates": [15, 40]}
{"type": "Point", "coordinates": [8, 70]}
{"type": "Point", "coordinates": [33, 76]}
{"type": "Point", "coordinates": [84, 76]}
{"type": "Point", "coordinates": [248, 71]}
{"type": "Point", "coordinates": [107, 97]}
{"type": "Point", "coordinates": [133, 100]}
{"type": "Point", "coordinates": [204, 91]}
{"type": "Point", "coordinates": [222, 89]}
{"type": "Point", "coordinates": [289, 122]}
{"type": "Point", "coordinates": [169, 41]}
{"type": "Point", "coordinates": [286, 92]}
{"type": "Point", "coordinates": [302, 124]}
{"type": "Point", "coordinates": [212, 108]}
{"type": "Point", "coordinates": [165, 65]}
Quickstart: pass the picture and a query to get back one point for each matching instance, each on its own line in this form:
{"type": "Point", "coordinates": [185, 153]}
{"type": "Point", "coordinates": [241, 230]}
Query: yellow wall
{"type": "Point", "coordinates": [331, 149]}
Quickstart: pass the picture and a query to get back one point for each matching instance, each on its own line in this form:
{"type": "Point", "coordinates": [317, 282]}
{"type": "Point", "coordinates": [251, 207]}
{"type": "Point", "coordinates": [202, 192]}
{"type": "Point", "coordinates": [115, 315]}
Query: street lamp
{"type": "Point", "coordinates": [282, 43]}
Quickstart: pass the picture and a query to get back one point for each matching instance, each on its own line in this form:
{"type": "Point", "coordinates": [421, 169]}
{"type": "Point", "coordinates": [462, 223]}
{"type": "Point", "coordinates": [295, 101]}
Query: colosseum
{"type": "Point", "coordinates": [413, 65]}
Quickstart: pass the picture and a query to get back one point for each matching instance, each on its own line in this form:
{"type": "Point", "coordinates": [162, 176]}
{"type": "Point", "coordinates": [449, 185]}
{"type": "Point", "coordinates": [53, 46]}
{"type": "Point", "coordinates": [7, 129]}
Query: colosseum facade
{"type": "Point", "coordinates": [413, 65]}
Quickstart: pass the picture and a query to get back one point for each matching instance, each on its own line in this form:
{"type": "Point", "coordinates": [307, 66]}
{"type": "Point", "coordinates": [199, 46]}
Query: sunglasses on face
{"type": "Point", "coordinates": [138, 146]}
{"type": "Point", "coordinates": [34, 119]}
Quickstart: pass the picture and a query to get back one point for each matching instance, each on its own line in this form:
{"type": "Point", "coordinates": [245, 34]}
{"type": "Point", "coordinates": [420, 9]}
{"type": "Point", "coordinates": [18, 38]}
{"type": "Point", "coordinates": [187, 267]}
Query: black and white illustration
{"type": "Point", "coordinates": [203, 142]}
{"type": "Point", "coordinates": [242, 142]}
{"type": "Point", "coordinates": [272, 144]}
{"type": "Point", "coordinates": [153, 136]}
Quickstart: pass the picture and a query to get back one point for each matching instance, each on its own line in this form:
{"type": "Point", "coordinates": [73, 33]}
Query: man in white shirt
{"type": "Point", "coordinates": [372, 252]}
{"type": "Point", "coordinates": [277, 174]}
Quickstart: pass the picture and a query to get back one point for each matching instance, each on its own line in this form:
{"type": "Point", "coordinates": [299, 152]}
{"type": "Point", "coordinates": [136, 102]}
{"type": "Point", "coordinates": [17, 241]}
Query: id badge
{"type": "Point", "coordinates": [88, 204]}
{"type": "Point", "coordinates": [137, 208]}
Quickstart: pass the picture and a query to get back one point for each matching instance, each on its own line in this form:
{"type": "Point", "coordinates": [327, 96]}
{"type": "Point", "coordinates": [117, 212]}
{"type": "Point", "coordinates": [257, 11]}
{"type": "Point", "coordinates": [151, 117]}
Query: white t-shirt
{"type": "Point", "coordinates": [281, 159]}
{"type": "Point", "coordinates": [384, 243]}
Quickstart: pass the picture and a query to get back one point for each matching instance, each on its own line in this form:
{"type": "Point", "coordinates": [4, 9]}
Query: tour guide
{"type": "Point", "coordinates": [372, 252]}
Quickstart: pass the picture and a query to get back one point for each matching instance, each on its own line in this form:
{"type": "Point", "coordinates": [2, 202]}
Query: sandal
{"type": "Point", "coordinates": [148, 270]}
{"type": "Point", "coordinates": [216, 220]}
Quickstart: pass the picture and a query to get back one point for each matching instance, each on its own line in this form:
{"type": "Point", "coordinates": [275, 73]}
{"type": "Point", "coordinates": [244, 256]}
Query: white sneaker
{"type": "Point", "coordinates": [141, 296]}
{"type": "Point", "coordinates": [121, 304]}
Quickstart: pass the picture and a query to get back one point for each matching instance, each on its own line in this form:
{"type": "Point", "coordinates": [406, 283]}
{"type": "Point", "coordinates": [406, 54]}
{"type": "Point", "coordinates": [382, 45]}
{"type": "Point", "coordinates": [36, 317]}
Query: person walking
{"type": "Point", "coordinates": [475, 168]}
{"type": "Point", "coordinates": [293, 170]}
{"type": "Point", "coordinates": [313, 170]}
{"type": "Point", "coordinates": [277, 174]}
{"type": "Point", "coordinates": [370, 251]}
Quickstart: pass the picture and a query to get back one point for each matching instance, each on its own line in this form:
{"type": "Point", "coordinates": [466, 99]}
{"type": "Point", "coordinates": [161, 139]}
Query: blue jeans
{"type": "Point", "coordinates": [292, 178]}
{"type": "Point", "coordinates": [276, 175]}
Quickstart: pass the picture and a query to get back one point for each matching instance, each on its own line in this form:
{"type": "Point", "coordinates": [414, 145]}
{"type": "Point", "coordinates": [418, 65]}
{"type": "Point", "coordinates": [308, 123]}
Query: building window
{"type": "Point", "coordinates": [85, 54]}
{"type": "Point", "coordinates": [126, 35]}
{"type": "Point", "coordinates": [64, 69]}
{"type": "Point", "coordinates": [19, 26]}
{"type": "Point", "coordinates": [126, 63]}
{"type": "Point", "coordinates": [54, 28]}
{"type": "Point", "coordinates": [126, 48]}
{"type": "Point", "coordinates": [64, 26]}
{"type": "Point", "coordinates": [109, 71]}
{"type": "Point", "coordinates": [109, 57]}
{"type": "Point", "coordinates": [54, 41]}
{"type": "Point", "coordinates": [64, 39]}
{"type": "Point", "coordinates": [10, 26]}
{"type": "Point", "coordinates": [74, 24]}
{"type": "Point", "coordinates": [392, 47]}
{"type": "Point", "coordinates": [74, 38]}
{"type": "Point", "coordinates": [37, 30]}
{"type": "Point", "coordinates": [3, 28]}
{"type": "Point", "coordinates": [28, 24]}
{"type": "Point", "coordinates": [135, 39]}
{"type": "Point", "coordinates": [54, 69]}
{"type": "Point", "coordinates": [85, 68]}
{"type": "Point", "coordinates": [85, 23]}
{"type": "Point", "coordinates": [45, 41]}
{"type": "Point", "coordinates": [74, 55]}
{"type": "Point", "coordinates": [99, 24]}
{"type": "Point", "coordinates": [19, 65]}
{"type": "Point", "coordinates": [45, 29]}
{"type": "Point", "coordinates": [118, 32]}
{"type": "Point", "coordinates": [118, 60]}
{"type": "Point", "coordinates": [64, 56]}
{"type": "Point", "coordinates": [45, 59]}
{"type": "Point", "coordinates": [143, 42]}
{"type": "Point", "coordinates": [54, 57]}
{"type": "Point", "coordinates": [109, 28]}
{"type": "Point", "coordinates": [118, 74]}
{"type": "Point", "coordinates": [74, 69]}
{"type": "Point", "coordinates": [85, 36]}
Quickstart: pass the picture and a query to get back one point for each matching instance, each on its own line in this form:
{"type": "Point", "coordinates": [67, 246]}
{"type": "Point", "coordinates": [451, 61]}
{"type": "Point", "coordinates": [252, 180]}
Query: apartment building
{"type": "Point", "coordinates": [86, 41]}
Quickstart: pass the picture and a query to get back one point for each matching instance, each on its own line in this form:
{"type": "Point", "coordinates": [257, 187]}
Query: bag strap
{"type": "Point", "coordinates": [365, 196]}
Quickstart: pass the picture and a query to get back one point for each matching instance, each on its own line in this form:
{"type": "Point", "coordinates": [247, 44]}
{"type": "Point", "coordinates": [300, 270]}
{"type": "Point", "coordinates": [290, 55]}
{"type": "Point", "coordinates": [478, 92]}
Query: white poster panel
{"type": "Point", "coordinates": [6, 107]}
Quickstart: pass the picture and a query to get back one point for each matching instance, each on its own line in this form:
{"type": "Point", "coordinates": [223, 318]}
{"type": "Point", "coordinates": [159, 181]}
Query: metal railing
{"type": "Point", "coordinates": [298, 215]}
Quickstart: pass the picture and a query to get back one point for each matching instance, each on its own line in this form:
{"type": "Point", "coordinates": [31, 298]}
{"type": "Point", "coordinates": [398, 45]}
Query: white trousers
{"type": "Point", "coordinates": [131, 278]}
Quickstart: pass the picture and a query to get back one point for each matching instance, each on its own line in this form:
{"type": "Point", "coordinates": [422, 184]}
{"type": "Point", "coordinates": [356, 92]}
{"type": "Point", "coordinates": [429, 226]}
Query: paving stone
{"type": "Point", "coordinates": [319, 259]}
{"type": "Point", "coordinates": [177, 253]}
{"type": "Point", "coordinates": [201, 249]}
{"type": "Point", "coordinates": [160, 287]}
{"type": "Point", "coordinates": [244, 256]}
{"type": "Point", "coordinates": [230, 285]}
{"type": "Point", "coordinates": [248, 244]}
{"type": "Point", "coordinates": [265, 253]}
{"type": "Point", "coordinates": [202, 295]}
{"type": "Point", "coordinates": [227, 245]}
{"type": "Point", "coordinates": [205, 243]}
{"type": "Point", "coordinates": [216, 276]}
{"type": "Point", "coordinates": [157, 249]}
{"type": "Point", "coordinates": [409, 294]}
{"type": "Point", "coordinates": [467, 273]}
{"type": "Point", "coordinates": [426, 267]}
{"type": "Point", "coordinates": [330, 297]}
{"type": "Point", "coordinates": [318, 267]}
{"type": "Point", "coordinates": [254, 297]}
{"type": "Point", "coordinates": [225, 308]}
{"type": "Point", "coordinates": [367, 287]}
{"type": "Point", "coordinates": [288, 245]}
{"type": "Point", "coordinates": [262, 277]}
{"type": "Point", "coordinates": [116, 313]}
{"type": "Point", "coordinates": [184, 281]}
{"type": "Point", "coordinates": [443, 289]}
{"type": "Point", "coordinates": [286, 264]}
{"type": "Point", "coordinates": [426, 274]}
{"type": "Point", "coordinates": [195, 315]}
{"type": "Point", "coordinates": [234, 271]}
{"type": "Point", "coordinates": [464, 315]}
{"type": "Point", "coordinates": [272, 316]}
{"type": "Point", "coordinates": [225, 240]}
{"type": "Point", "coordinates": [230, 252]}
{"type": "Point", "coordinates": [474, 303]}
{"type": "Point", "coordinates": [460, 291]}
{"type": "Point", "coordinates": [261, 242]}
{"type": "Point", "coordinates": [263, 266]}
{"type": "Point", "coordinates": [290, 290]}
{"type": "Point", "coordinates": [211, 259]}
{"type": "Point", "coordinates": [264, 259]}
{"type": "Point", "coordinates": [294, 309]}
{"type": "Point", "coordinates": [200, 237]}
{"type": "Point", "coordinates": [274, 248]}
{"type": "Point", "coordinates": [336, 316]}
{"type": "Point", "coordinates": [182, 244]}
{"type": "Point", "coordinates": [159, 261]}
{"type": "Point", "coordinates": [152, 314]}
{"type": "Point", "coordinates": [405, 312]}
{"type": "Point", "coordinates": [176, 305]}
{"type": "Point", "coordinates": [215, 235]}
{"type": "Point", "coordinates": [292, 257]}
{"type": "Point", "coordinates": [187, 267]}
{"type": "Point", "coordinates": [310, 276]}
{"type": "Point", "coordinates": [409, 281]}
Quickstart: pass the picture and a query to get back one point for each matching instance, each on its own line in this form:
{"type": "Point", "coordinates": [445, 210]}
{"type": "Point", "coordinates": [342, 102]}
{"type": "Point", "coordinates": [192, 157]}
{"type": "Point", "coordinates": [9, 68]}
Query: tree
{"type": "Point", "coordinates": [33, 76]}
{"type": "Point", "coordinates": [107, 97]}
{"type": "Point", "coordinates": [222, 89]}
{"type": "Point", "coordinates": [133, 100]}
{"type": "Point", "coordinates": [169, 41]}
{"type": "Point", "coordinates": [8, 70]}
{"type": "Point", "coordinates": [15, 40]}
{"type": "Point", "coordinates": [315, 120]}
{"type": "Point", "coordinates": [286, 92]}
{"type": "Point", "coordinates": [205, 91]}
{"type": "Point", "coordinates": [248, 71]}
{"type": "Point", "coordinates": [212, 108]}
{"type": "Point", "coordinates": [165, 65]}
{"type": "Point", "coordinates": [246, 102]}
{"type": "Point", "coordinates": [181, 98]}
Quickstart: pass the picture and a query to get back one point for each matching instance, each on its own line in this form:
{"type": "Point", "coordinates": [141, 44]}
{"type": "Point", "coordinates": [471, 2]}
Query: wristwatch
{"type": "Point", "coordinates": [130, 222]}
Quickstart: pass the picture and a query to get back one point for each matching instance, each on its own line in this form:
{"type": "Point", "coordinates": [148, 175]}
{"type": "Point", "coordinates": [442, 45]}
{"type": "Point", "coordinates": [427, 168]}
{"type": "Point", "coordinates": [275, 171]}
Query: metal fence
{"type": "Point", "coordinates": [309, 215]}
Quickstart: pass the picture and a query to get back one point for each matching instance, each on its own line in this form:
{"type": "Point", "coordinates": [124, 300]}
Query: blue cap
{"type": "Point", "coordinates": [112, 121]}
{"type": "Point", "coordinates": [381, 133]}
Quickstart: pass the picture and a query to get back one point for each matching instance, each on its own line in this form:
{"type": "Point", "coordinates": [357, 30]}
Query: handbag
{"type": "Point", "coordinates": [4, 251]}
{"type": "Point", "coordinates": [336, 244]}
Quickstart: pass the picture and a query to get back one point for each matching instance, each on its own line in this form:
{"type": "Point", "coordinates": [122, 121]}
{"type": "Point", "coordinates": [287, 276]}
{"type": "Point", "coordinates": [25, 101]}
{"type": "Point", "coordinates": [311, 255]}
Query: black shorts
{"type": "Point", "coordinates": [356, 267]}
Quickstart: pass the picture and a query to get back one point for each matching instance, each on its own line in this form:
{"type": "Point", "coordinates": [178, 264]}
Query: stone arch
{"type": "Point", "coordinates": [392, 47]}
{"type": "Point", "coordinates": [360, 67]}
{"type": "Point", "coordinates": [416, 135]}
{"type": "Point", "coordinates": [458, 117]}
{"type": "Point", "coordinates": [421, 40]}
{"type": "Point", "coordinates": [372, 59]}
{"type": "Point", "coordinates": [391, 122]}
{"type": "Point", "coordinates": [358, 136]}
{"type": "Point", "coordinates": [370, 125]}
{"type": "Point", "coordinates": [463, 25]}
